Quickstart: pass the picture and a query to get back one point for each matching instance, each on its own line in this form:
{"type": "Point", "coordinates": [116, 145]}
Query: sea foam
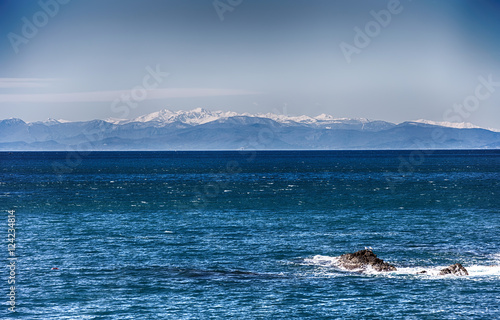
{"type": "Point", "coordinates": [474, 270]}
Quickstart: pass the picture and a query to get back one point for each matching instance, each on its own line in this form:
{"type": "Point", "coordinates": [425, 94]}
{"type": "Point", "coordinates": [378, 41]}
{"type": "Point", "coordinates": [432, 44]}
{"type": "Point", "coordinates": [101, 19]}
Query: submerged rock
{"type": "Point", "coordinates": [455, 269]}
{"type": "Point", "coordinates": [362, 259]}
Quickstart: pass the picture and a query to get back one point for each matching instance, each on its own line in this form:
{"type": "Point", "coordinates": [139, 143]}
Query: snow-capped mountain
{"type": "Point", "coordinates": [458, 125]}
{"type": "Point", "coordinates": [201, 116]}
{"type": "Point", "coordinates": [51, 122]}
{"type": "Point", "coordinates": [193, 117]}
{"type": "Point", "coordinates": [201, 129]}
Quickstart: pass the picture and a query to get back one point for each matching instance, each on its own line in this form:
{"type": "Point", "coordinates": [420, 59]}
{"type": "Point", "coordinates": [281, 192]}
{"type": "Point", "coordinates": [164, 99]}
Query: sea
{"type": "Point", "coordinates": [248, 234]}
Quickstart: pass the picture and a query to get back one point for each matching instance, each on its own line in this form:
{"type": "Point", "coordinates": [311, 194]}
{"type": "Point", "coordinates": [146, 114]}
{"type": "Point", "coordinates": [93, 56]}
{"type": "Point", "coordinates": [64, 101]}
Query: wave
{"type": "Point", "coordinates": [475, 270]}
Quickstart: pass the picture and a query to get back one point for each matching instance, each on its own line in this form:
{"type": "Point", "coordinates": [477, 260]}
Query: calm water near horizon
{"type": "Point", "coordinates": [250, 235]}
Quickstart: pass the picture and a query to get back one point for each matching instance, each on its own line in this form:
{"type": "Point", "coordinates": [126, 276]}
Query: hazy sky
{"type": "Point", "coordinates": [389, 60]}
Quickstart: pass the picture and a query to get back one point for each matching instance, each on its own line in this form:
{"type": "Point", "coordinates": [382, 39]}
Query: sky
{"type": "Point", "coordinates": [387, 60]}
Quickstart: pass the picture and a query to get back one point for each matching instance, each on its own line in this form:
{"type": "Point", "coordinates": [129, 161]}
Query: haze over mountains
{"type": "Point", "coordinates": [201, 129]}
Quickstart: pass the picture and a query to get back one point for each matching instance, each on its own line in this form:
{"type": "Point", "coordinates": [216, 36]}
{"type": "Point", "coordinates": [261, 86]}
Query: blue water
{"type": "Point", "coordinates": [251, 235]}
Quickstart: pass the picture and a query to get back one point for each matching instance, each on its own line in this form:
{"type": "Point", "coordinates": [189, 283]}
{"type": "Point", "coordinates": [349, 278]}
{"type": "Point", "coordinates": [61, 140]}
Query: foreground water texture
{"type": "Point", "coordinates": [251, 235]}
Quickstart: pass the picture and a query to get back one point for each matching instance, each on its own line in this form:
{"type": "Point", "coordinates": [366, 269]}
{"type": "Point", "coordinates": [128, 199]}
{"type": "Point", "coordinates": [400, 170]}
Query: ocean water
{"type": "Point", "coordinates": [250, 235]}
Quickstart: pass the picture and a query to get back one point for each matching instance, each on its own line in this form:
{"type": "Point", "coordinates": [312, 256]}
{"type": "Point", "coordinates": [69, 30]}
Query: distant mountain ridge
{"type": "Point", "coordinates": [201, 129]}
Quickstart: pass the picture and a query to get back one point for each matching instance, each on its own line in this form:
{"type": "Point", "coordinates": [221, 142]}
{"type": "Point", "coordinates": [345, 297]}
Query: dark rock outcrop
{"type": "Point", "coordinates": [455, 269]}
{"type": "Point", "coordinates": [362, 259]}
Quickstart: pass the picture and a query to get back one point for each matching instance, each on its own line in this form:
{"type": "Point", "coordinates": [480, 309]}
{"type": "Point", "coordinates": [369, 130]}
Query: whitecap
{"type": "Point", "coordinates": [484, 271]}
{"type": "Point", "coordinates": [426, 272]}
{"type": "Point", "coordinates": [320, 260]}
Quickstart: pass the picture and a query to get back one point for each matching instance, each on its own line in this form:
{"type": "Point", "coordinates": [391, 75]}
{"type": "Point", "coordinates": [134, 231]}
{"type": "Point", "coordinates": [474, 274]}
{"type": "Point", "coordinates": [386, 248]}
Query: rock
{"type": "Point", "coordinates": [455, 269]}
{"type": "Point", "coordinates": [362, 259]}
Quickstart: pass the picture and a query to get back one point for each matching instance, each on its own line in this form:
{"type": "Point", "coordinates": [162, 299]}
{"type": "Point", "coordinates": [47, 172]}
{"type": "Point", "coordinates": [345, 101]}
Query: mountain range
{"type": "Point", "coordinates": [201, 129]}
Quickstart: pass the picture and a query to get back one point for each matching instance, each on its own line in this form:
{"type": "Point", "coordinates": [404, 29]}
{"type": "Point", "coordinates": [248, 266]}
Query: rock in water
{"type": "Point", "coordinates": [455, 269]}
{"type": "Point", "coordinates": [362, 259]}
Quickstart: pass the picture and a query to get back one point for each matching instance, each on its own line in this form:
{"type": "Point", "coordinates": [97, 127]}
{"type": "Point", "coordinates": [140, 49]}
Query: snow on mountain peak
{"type": "Point", "coordinates": [457, 125]}
{"type": "Point", "coordinates": [200, 116]}
{"type": "Point", "coordinates": [51, 121]}
{"type": "Point", "coordinates": [324, 116]}
{"type": "Point", "coordinates": [193, 117]}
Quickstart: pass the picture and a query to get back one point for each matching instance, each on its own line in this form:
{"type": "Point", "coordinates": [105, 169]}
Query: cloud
{"type": "Point", "coordinates": [25, 82]}
{"type": "Point", "coordinates": [104, 96]}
